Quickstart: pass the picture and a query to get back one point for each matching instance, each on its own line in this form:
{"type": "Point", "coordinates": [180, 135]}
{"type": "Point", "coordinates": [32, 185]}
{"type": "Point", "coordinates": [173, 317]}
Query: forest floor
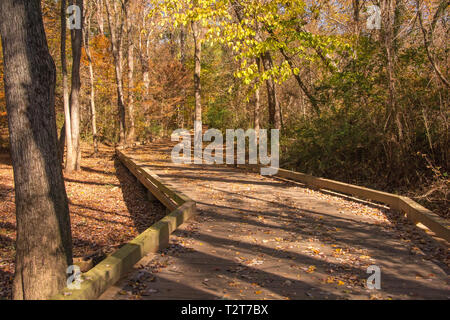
{"type": "Point", "coordinates": [259, 237]}
{"type": "Point", "coordinates": [108, 208]}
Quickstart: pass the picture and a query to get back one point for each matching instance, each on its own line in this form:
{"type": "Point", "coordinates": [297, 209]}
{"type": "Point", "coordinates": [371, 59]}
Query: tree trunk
{"type": "Point", "coordinates": [257, 114]}
{"type": "Point", "coordinates": [393, 114]}
{"type": "Point", "coordinates": [99, 13]}
{"type": "Point", "coordinates": [300, 82]}
{"type": "Point", "coordinates": [62, 142]}
{"type": "Point", "coordinates": [68, 122]}
{"type": "Point", "coordinates": [116, 30]}
{"type": "Point", "coordinates": [356, 17]}
{"type": "Point", "coordinates": [43, 244]}
{"type": "Point", "coordinates": [274, 107]}
{"type": "Point", "coordinates": [197, 70]}
{"type": "Point", "coordinates": [144, 47]}
{"type": "Point", "coordinates": [130, 56]}
{"type": "Point", "coordinates": [297, 77]}
{"type": "Point", "coordinates": [183, 46]}
{"type": "Point", "coordinates": [77, 39]}
{"type": "Point", "coordinates": [91, 82]}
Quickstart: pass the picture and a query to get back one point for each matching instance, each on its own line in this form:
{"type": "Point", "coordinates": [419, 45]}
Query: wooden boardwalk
{"type": "Point", "coordinates": [263, 238]}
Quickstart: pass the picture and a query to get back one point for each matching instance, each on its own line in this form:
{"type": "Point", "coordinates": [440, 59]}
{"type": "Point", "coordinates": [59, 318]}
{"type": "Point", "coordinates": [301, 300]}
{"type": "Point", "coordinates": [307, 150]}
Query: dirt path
{"type": "Point", "coordinates": [263, 238]}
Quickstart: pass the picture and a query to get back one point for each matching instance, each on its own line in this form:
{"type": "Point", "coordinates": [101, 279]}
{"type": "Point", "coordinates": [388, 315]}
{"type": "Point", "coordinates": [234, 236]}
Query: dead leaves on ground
{"type": "Point", "coordinates": [107, 211]}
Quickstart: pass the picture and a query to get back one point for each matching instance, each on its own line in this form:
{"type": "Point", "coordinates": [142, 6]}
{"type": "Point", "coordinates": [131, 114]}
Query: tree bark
{"type": "Point", "coordinates": [130, 58]}
{"type": "Point", "coordinates": [115, 23]}
{"type": "Point", "coordinates": [393, 114]}
{"type": "Point", "coordinates": [274, 107]}
{"type": "Point", "coordinates": [99, 14]}
{"type": "Point", "coordinates": [43, 244]}
{"type": "Point", "coordinates": [61, 142]}
{"type": "Point", "coordinates": [68, 122]}
{"type": "Point", "coordinates": [356, 17]}
{"type": "Point", "coordinates": [182, 46]}
{"type": "Point", "coordinates": [77, 40]}
{"type": "Point", "coordinates": [197, 70]}
{"type": "Point", "coordinates": [91, 81]}
{"type": "Point", "coordinates": [144, 49]}
{"type": "Point", "coordinates": [257, 114]}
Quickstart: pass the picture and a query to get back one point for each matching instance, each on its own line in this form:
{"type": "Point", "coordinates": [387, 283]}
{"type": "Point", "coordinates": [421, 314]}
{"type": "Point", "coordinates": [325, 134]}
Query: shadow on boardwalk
{"type": "Point", "coordinates": [262, 238]}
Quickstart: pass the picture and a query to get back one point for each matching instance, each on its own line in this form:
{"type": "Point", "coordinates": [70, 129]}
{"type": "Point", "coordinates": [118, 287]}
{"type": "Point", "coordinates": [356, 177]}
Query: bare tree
{"type": "Point", "coordinates": [99, 15]}
{"type": "Point", "coordinates": [257, 111]}
{"type": "Point", "coordinates": [428, 37]}
{"type": "Point", "coordinates": [197, 34]}
{"type": "Point", "coordinates": [74, 160]}
{"type": "Point", "coordinates": [65, 87]}
{"type": "Point", "coordinates": [87, 30]}
{"type": "Point", "coordinates": [389, 8]}
{"type": "Point", "coordinates": [115, 22]}
{"type": "Point", "coordinates": [129, 12]}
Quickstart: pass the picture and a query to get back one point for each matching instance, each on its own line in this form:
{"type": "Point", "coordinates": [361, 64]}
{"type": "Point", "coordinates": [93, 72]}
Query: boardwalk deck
{"type": "Point", "coordinates": [262, 238]}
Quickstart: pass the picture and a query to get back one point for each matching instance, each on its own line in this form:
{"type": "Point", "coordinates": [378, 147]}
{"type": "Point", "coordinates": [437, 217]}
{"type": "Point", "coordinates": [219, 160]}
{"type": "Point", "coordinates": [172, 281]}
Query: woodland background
{"type": "Point", "coordinates": [368, 107]}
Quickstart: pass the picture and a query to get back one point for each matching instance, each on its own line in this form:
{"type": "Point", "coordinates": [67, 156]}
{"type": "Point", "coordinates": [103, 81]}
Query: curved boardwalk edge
{"type": "Point", "coordinates": [414, 211]}
{"type": "Point", "coordinates": [155, 238]}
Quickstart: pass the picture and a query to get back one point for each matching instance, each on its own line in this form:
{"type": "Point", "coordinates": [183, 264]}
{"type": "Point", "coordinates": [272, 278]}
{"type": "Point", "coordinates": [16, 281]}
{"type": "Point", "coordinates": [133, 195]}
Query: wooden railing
{"type": "Point", "coordinates": [414, 211]}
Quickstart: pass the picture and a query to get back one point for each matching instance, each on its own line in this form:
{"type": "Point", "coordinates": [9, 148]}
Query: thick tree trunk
{"type": "Point", "coordinates": [43, 245]}
{"type": "Point", "coordinates": [197, 70]}
{"type": "Point", "coordinates": [68, 122]}
{"type": "Point", "coordinates": [77, 39]}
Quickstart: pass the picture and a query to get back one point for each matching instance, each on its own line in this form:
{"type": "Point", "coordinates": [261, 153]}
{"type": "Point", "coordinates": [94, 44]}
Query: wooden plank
{"type": "Point", "coordinates": [416, 213]}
